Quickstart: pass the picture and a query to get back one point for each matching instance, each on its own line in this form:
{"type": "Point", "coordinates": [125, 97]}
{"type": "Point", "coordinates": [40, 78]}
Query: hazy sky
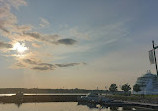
{"type": "Point", "coordinates": [75, 43]}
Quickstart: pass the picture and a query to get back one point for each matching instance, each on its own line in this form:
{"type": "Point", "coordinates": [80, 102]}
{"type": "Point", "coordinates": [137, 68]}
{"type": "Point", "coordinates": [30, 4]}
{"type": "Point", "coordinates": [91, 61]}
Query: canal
{"type": "Point", "coordinates": [64, 106]}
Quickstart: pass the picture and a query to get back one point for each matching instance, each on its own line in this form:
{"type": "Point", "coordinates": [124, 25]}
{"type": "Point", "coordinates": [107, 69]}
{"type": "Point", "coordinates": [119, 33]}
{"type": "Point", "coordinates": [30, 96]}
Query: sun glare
{"type": "Point", "coordinates": [20, 48]}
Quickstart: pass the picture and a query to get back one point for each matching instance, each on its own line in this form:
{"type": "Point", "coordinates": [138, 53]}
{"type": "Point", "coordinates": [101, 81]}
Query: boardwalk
{"type": "Point", "coordinates": [147, 105]}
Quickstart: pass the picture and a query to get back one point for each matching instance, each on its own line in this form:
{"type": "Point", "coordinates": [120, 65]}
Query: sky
{"type": "Point", "coordinates": [75, 43]}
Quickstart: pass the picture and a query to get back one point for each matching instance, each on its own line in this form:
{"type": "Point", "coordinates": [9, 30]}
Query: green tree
{"type": "Point", "coordinates": [113, 88]}
{"type": "Point", "coordinates": [126, 88]}
{"type": "Point", "coordinates": [136, 88]}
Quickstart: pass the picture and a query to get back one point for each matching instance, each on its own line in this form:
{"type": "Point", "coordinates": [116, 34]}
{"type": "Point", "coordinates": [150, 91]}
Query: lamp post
{"type": "Point", "coordinates": [155, 47]}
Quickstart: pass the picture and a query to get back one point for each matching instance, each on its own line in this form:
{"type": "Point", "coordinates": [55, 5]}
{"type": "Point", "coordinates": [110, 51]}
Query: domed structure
{"type": "Point", "coordinates": [148, 83]}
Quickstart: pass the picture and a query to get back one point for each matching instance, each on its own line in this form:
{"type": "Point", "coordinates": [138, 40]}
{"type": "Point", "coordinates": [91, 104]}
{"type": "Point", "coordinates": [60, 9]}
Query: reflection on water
{"type": "Point", "coordinates": [114, 108]}
{"type": "Point", "coordinates": [7, 94]}
{"type": "Point", "coordinates": [18, 104]}
{"type": "Point", "coordinates": [63, 106]}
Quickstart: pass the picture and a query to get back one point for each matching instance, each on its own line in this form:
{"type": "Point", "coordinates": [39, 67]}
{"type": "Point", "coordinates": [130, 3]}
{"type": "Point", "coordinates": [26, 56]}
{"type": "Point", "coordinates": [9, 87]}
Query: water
{"type": "Point", "coordinates": [7, 94]}
{"type": "Point", "coordinates": [63, 106]}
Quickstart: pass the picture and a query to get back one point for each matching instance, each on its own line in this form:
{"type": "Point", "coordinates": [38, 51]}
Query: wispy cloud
{"type": "Point", "coordinates": [9, 26]}
{"type": "Point", "coordinates": [52, 39]}
{"type": "Point", "coordinates": [44, 22]}
{"type": "Point", "coordinates": [35, 45]}
{"type": "Point", "coordinates": [30, 61]}
{"type": "Point", "coordinates": [8, 21]}
{"type": "Point", "coordinates": [19, 65]}
{"type": "Point", "coordinates": [13, 3]}
{"type": "Point", "coordinates": [68, 65]}
{"type": "Point", "coordinates": [5, 45]}
{"type": "Point", "coordinates": [78, 34]}
{"type": "Point", "coordinates": [35, 64]}
{"type": "Point", "coordinates": [36, 36]}
{"type": "Point", "coordinates": [10, 29]}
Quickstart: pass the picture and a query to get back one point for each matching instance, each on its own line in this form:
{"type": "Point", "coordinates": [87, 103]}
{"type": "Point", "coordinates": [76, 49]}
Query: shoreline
{"type": "Point", "coordinates": [119, 100]}
{"type": "Point", "coordinates": [151, 99]}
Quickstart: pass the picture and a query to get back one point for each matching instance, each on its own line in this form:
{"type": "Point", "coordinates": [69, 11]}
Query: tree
{"type": "Point", "coordinates": [126, 88]}
{"type": "Point", "coordinates": [136, 88]}
{"type": "Point", "coordinates": [113, 88]}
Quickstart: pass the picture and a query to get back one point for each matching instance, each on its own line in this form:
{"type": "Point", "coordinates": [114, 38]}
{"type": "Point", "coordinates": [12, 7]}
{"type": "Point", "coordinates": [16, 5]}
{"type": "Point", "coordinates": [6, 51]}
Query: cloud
{"type": "Point", "coordinates": [66, 41]}
{"type": "Point", "coordinates": [13, 3]}
{"type": "Point", "coordinates": [42, 37]}
{"type": "Point", "coordinates": [44, 22]}
{"type": "Point", "coordinates": [5, 45]}
{"type": "Point", "coordinates": [67, 65]}
{"type": "Point", "coordinates": [9, 26]}
{"type": "Point", "coordinates": [52, 39]}
{"type": "Point", "coordinates": [16, 33]}
{"type": "Point", "coordinates": [20, 64]}
{"type": "Point", "coordinates": [77, 33]}
{"type": "Point", "coordinates": [41, 66]}
{"type": "Point", "coordinates": [8, 21]}
{"type": "Point", "coordinates": [29, 61]}
{"type": "Point", "coordinates": [35, 45]}
{"type": "Point", "coordinates": [44, 66]}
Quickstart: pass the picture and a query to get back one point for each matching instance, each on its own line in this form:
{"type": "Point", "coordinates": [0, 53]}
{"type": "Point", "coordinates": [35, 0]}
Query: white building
{"type": "Point", "coordinates": [148, 83]}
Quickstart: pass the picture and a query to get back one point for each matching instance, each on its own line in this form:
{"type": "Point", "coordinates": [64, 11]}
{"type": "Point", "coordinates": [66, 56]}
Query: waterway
{"type": "Point", "coordinates": [64, 106]}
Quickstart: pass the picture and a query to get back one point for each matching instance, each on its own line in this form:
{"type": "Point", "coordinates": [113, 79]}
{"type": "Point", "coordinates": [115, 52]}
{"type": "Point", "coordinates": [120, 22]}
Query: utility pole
{"type": "Point", "coordinates": [155, 47]}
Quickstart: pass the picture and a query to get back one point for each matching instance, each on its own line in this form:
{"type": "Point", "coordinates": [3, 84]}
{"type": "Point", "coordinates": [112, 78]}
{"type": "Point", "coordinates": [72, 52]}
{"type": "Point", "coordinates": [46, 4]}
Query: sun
{"type": "Point", "coordinates": [20, 47]}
